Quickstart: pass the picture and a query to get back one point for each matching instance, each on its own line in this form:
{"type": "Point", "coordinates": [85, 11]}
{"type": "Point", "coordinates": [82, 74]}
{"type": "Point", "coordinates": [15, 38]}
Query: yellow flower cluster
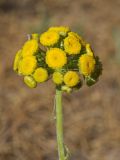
{"type": "Point", "coordinates": [61, 53]}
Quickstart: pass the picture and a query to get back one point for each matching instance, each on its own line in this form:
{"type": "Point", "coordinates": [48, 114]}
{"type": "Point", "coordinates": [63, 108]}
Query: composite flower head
{"type": "Point", "coordinates": [80, 39]}
{"type": "Point", "coordinates": [86, 64]}
{"type": "Point", "coordinates": [17, 60]}
{"type": "Point", "coordinates": [62, 30]}
{"type": "Point", "coordinates": [73, 34]}
{"type": "Point", "coordinates": [89, 50]}
{"type": "Point", "coordinates": [72, 45]}
{"type": "Point", "coordinates": [71, 78]}
{"type": "Point", "coordinates": [57, 78]}
{"type": "Point", "coordinates": [49, 38]}
{"type": "Point", "coordinates": [40, 75]}
{"type": "Point", "coordinates": [30, 82]}
{"type": "Point", "coordinates": [58, 54]}
{"type": "Point", "coordinates": [30, 48]}
{"type": "Point", "coordinates": [27, 65]}
{"type": "Point", "coordinates": [56, 58]}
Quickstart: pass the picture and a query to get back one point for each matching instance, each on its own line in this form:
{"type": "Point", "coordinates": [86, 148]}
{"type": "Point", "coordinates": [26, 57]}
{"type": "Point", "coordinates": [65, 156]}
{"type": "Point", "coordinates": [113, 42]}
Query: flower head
{"type": "Point", "coordinates": [40, 74]}
{"type": "Point", "coordinates": [88, 50]}
{"type": "Point", "coordinates": [72, 45]}
{"type": "Point", "coordinates": [80, 39]}
{"type": "Point", "coordinates": [71, 78]}
{"type": "Point", "coordinates": [49, 38]}
{"type": "Point", "coordinates": [30, 48]}
{"type": "Point", "coordinates": [17, 60]}
{"type": "Point", "coordinates": [73, 34]}
{"type": "Point", "coordinates": [56, 58]}
{"type": "Point", "coordinates": [27, 65]}
{"type": "Point", "coordinates": [61, 30]}
{"type": "Point", "coordinates": [30, 82]}
{"type": "Point", "coordinates": [57, 78]}
{"type": "Point", "coordinates": [86, 64]}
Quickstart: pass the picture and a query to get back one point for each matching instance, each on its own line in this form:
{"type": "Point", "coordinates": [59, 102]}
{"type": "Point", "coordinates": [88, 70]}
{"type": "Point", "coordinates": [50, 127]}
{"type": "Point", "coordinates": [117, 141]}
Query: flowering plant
{"type": "Point", "coordinates": [65, 57]}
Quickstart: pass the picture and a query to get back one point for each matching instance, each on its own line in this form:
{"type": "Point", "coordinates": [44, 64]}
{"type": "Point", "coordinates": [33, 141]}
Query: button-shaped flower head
{"type": "Point", "coordinates": [60, 30]}
{"type": "Point", "coordinates": [49, 38]}
{"type": "Point", "coordinates": [72, 45]}
{"type": "Point", "coordinates": [56, 58]}
{"type": "Point", "coordinates": [30, 48]}
{"type": "Point", "coordinates": [17, 60]}
{"type": "Point", "coordinates": [86, 64]}
{"type": "Point", "coordinates": [40, 75]}
{"type": "Point", "coordinates": [27, 65]}
{"type": "Point", "coordinates": [57, 78]}
{"type": "Point", "coordinates": [71, 78]}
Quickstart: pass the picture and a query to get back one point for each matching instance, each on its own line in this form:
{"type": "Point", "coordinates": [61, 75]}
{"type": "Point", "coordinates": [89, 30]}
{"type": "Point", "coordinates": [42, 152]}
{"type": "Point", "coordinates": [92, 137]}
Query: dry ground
{"type": "Point", "coordinates": [91, 115]}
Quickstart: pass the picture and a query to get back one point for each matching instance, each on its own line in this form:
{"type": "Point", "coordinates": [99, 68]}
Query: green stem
{"type": "Point", "coordinates": [59, 125]}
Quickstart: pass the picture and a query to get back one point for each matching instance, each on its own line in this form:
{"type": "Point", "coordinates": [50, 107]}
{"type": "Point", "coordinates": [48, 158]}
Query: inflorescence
{"type": "Point", "coordinates": [59, 54]}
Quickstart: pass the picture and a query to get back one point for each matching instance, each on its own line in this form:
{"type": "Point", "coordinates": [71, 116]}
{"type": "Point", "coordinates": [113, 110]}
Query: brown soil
{"type": "Point", "coordinates": [91, 115]}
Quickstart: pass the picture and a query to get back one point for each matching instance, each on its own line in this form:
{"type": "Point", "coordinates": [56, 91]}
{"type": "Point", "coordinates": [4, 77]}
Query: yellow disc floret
{"type": "Point", "coordinates": [62, 30]}
{"type": "Point", "coordinates": [56, 58]}
{"type": "Point", "coordinates": [72, 45]}
{"type": "Point", "coordinates": [86, 64]}
{"type": "Point", "coordinates": [17, 60]}
{"type": "Point", "coordinates": [71, 78]}
{"type": "Point", "coordinates": [27, 65]}
{"type": "Point", "coordinates": [40, 74]}
{"type": "Point", "coordinates": [57, 78]}
{"type": "Point", "coordinates": [30, 48]}
{"type": "Point", "coordinates": [49, 38]}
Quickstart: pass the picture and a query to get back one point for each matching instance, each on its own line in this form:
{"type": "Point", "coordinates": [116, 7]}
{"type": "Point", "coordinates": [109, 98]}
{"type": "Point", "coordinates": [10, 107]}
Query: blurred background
{"type": "Point", "coordinates": [91, 115]}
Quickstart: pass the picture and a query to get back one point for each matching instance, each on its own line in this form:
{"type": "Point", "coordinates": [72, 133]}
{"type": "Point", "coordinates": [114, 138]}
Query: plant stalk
{"type": "Point", "coordinates": [59, 124]}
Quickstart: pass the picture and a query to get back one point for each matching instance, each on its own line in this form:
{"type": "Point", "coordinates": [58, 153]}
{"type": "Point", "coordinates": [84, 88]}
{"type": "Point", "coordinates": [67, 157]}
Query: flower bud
{"type": "Point", "coordinates": [35, 36]}
{"type": "Point", "coordinates": [30, 82]}
{"type": "Point", "coordinates": [89, 50]}
{"type": "Point", "coordinates": [66, 89]}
